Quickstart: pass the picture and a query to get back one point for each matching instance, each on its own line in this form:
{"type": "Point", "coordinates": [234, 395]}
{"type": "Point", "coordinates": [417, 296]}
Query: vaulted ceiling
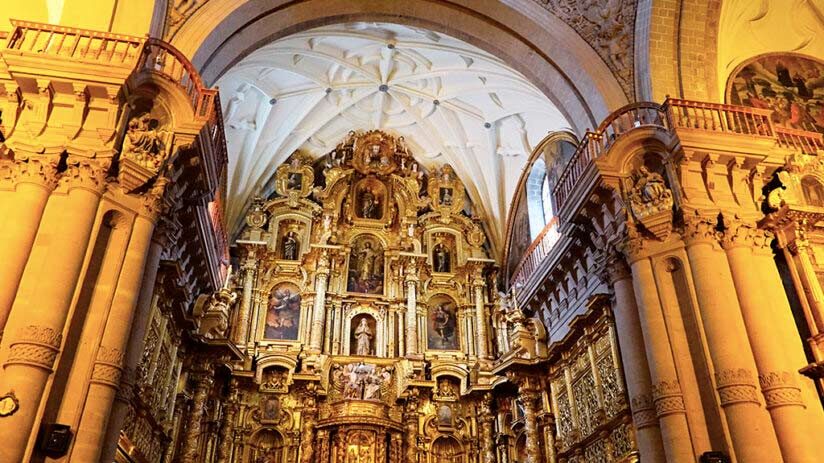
{"type": "Point", "coordinates": [452, 102]}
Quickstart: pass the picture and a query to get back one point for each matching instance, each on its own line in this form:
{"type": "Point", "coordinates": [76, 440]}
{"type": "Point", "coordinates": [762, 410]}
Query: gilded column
{"type": "Point", "coordinates": [411, 310]}
{"type": "Point", "coordinates": [242, 330]}
{"type": "Point", "coordinates": [318, 309]}
{"type": "Point", "coordinates": [109, 363]}
{"type": "Point", "coordinates": [189, 446]}
{"type": "Point", "coordinates": [29, 181]}
{"type": "Point", "coordinates": [634, 359]}
{"type": "Point", "coordinates": [529, 396]}
{"type": "Point", "coordinates": [480, 314]}
{"type": "Point", "coordinates": [753, 437]}
{"type": "Point", "coordinates": [487, 422]}
{"type": "Point", "coordinates": [665, 395]}
{"type": "Point", "coordinates": [227, 426]}
{"type": "Point", "coordinates": [33, 332]}
{"type": "Point", "coordinates": [410, 418]}
{"type": "Point", "coordinates": [777, 376]}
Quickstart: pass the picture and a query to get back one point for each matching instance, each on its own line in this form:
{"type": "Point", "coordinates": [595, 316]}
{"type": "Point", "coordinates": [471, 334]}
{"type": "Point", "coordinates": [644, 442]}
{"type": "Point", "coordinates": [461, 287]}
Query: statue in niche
{"type": "Point", "coordinates": [144, 142]}
{"type": "Point", "coordinates": [290, 246]}
{"type": "Point", "coordinates": [446, 196]}
{"type": "Point", "coordinates": [270, 455]}
{"type": "Point", "coordinates": [369, 204]}
{"type": "Point", "coordinates": [364, 336]}
{"type": "Point", "coordinates": [366, 267]}
{"type": "Point", "coordinates": [361, 381]}
{"type": "Point", "coordinates": [441, 258]}
{"type": "Point", "coordinates": [442, 326]}
{"type": "Point", "coordinates": [275, 380]}
{"type": "Point", "coordinates": [649, 187]}
{"type": "Point", "coordinates": [446, 390]}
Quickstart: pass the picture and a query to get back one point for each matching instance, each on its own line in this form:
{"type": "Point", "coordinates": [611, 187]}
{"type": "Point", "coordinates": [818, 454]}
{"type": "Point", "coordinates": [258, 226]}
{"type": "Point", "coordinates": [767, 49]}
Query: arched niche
{"type": "Point", "coordinates": [446, 449]}
{"type": "Point", "coordinates": [282, 223]}
{"type": "Point", "coordinates": [267, 446]}
{"type": "Point", "coordinates": [375, 321]}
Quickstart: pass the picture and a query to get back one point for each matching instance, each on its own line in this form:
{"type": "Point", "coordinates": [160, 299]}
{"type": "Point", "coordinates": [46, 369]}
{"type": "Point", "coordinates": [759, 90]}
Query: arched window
{"type": "Point", "coordinates": [535, 198]}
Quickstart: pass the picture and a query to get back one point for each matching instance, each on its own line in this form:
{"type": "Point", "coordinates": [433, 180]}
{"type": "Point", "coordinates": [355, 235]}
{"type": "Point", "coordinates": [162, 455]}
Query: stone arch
{"type": "Point", "coordinates": [222, 32]}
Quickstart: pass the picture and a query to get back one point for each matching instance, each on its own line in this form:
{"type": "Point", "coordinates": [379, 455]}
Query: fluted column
{"type": "Point", "coordinates": [319, 309]}
{"type": "Point", "coordinates": [666, 396]}
{"type": "Point", "coordinates": [189, 450]}
{"type": "Point", "coordinates": [799, 250]}
{"type": "Point", "coordinates": [242, 329]}
{"type": "Point", "coordinates": [752, 433]}
{"type": "Point", "coordinates": [411, 279]}
{"type": "Point", "coordinates": [33, 332]}
{"type": "Point", "coordinates": [634, 361]}
{"type": "Point", "coordinates": [227, 426]}
{"type": "Point", "coordinates": [777, 376]}
{"type": "Point", "coordinates": [487, 429]}
{"type": "Point", "coordinates": [28, 183]}
{"type": "Point", "coordinates": [480, 314]}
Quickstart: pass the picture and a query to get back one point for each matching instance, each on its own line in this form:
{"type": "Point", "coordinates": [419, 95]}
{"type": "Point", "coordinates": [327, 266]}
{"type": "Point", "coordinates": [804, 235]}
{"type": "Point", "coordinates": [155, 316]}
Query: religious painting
{"type": "Point", "coordinates": [362, 339]}
{"type": "Point", "coordinates": [442, 252]}
{"type": "Point", "coordinates": [813, 191]}
{"type": "Point", "coordinates": [370, 197]}
{"type": "Point", "coordinates": [445, 196]}
{"type": "Point", "coordinates": [283, 313]}
{"type": "Point", "coordinates": [269, 409]}
{"type": "Point", "coordinates": [442, 324]}
{"type": "Point", "coordinates": [294, 181]}
{"type": "Point", "coordinates": [790, 85]}
{"type": "Point", "coordinates": [365, 273]}
{"type": "Point", "coordinates": [444, 416]}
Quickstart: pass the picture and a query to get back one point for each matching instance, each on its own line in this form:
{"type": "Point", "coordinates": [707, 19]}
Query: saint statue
{"type": "Point", "coordinates": [290, 246]}
{"type": "Point", "coordinates": [441, 258]}
{"type": "Point", "coordinates": [650, 186]}
{"type": "Point", "coordinates": [369, 204]}
{"type": "Point", "coordinates": [366, 261]}
{"type": "Point", "coordinates": [144, 142]}
{"type": "Point", "coordinates": [364, 336]}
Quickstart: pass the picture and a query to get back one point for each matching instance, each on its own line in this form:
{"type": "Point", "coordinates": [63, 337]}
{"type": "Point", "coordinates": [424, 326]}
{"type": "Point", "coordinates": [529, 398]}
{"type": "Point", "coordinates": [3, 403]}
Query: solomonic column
{"type": "Point", "coordinates": [227, 425]}
{"type": "Point", "coordinates": [203, 385]}
{"type": "Point", "coordinates": [777, 375]}
{"type": "Point", "coordinates": [634, 360]}
{"type": "Point", "coordinates": [752, 433]}
{"type": "Point", "coordinates": [28, 182]}
{"type": "Point", "coordinates": [33, 333]}
{"type": "Point", "coordinates": [319, 307]}
{"type": "Point", "coordinates": [529, 395]}
{"type": "Point", "coordinates": [487, 424]}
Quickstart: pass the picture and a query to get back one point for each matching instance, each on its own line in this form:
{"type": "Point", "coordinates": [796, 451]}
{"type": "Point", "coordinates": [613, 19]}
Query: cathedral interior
{"type": "Point", "coordinates": [420, 231]}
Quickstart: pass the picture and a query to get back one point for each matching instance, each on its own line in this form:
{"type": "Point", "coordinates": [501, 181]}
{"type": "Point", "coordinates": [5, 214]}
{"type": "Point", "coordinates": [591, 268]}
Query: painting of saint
{"type": "Point", "coordinates": [363, 335]}
{"type": "Point", "coordinates": [294, 181]}
{"type": "Point", "coordinates": [369, 204]}
{"type": "Point", "coordinates": [283, 313]}
{"type": "Point", "coordinates": [270, 409]}
{"type": "Point", "coordinates": [445, 196]}
{"type": "Point", "coordinates": [365, 266]}
{"type": "Point", "coordinates": [441, 259]}
{"type": "Point", "coordinates": [445, 416]}
{"type": "Point", "coordinates": [442, 333]}
{"type": "Point", "coordinates": [790, 85]}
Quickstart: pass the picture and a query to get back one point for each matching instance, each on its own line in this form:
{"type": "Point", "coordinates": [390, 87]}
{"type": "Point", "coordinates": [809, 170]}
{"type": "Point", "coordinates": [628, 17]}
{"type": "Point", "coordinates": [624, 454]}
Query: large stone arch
{"type": "Point", "coordinates": [532, 40]}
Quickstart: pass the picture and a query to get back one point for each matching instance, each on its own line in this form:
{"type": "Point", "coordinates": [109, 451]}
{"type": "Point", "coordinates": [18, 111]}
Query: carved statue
{"type": "Point", "coordinates": [650, 187]}
{"type": "Point", "coordinates": [369, 204]}
{"type": "Point", "coordinates": [290, 246]}
{"type": "Point", "coordinates": [144, 143]}
{"type": "Point", "coordinates": [446, 390]}
{"type": "Point", "coordinates": [441, 258]}
{"type": "Point", "coordinates": [275, 379]}
{"type": "Point", "coordinates": [364, 336]}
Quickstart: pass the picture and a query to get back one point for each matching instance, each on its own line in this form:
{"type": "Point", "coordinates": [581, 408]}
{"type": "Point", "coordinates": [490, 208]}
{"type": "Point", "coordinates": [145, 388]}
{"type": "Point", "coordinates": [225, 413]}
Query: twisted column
{"type": "Point", "coordinates": [318, 309]}
{"type": "Point", "coordinates": [529, 397]}
{"type": "Point", "coordinates": [634, 359]}
{"type": "Point", "coordinates": [752, 433]}
{"type": "Point", "coordinates": [410, 418]}
{"type": "Point", "coordinates": [33, 332]}
{"type": "Point", "coordinates": [487, 422]}
{"type": "Point", "coordinates": [189, 447]}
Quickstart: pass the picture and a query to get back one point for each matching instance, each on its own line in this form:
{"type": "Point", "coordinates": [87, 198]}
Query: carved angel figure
{"type": "Point", "coordinates": [650, 187]}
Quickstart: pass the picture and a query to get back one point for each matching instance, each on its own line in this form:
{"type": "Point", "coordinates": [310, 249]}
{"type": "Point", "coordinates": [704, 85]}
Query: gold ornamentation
{"type": "Point", "coordinates": [295, 179]}
{"type": "Point", "coordinates": [736, 386]}
{"type": "Point", "coordinates": [35, 345]}
{"type": "Point", "coordinates": [446, 192]}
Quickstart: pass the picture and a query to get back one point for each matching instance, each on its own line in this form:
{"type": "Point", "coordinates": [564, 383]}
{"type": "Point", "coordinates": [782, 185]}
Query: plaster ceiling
{"type": "Point", "coordinates": [452, 102]}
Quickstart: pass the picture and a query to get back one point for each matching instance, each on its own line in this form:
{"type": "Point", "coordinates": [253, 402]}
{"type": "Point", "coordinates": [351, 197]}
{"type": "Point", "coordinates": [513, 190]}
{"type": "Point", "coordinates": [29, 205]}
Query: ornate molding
{"type": "Point", "coordinates": [108, 366]}
{"type": "Point", "coordinates": [668, 399]}
{"type": "Point", "coordinates": [89, 174]}
{"type": "Point", "coordinates": [779, 389]}
{"type": "Point", "coordinates": [643, 411]}
{"type": "Point", "coordinates": [700, 229]}
{"type": "Point", "coordinates": [37, 170]}
{"type": "Point", "coordinates": [735, 386]}
{"type": "Point", "coordinates": [34, 345]}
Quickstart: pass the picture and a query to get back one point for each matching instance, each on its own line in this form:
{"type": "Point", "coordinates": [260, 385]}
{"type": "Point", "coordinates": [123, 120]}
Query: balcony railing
{"type": "Point", "coordinates": [79, 45]}
{"type": "Point", "coordinates": [673, 114]}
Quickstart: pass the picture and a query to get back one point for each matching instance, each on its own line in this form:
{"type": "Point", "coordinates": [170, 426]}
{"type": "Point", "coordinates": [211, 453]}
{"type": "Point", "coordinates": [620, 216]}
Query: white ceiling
{"type": "Point", "coordinates": [452, 102]}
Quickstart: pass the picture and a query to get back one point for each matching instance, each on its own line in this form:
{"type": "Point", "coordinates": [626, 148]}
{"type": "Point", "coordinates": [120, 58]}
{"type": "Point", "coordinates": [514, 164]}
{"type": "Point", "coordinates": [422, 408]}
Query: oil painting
{"type": "Point", "coordinates": [283, 313]}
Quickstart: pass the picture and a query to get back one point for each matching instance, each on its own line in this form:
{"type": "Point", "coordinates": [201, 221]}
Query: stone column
{"type": "Point", "coordinates": [189, 446]}
{"type": "Point", "coordinates": [634, 361]}
{"type": "Point", "coordinates": [242, 329]}
{"type": "Point", "coordinates": [665, 393]}
{"type": "Point", "coordinates": [778, 377]}
{"type": "Point", "coordinates": [480, 314]}
{"type": "Point", "coordinates": [318, 309]}
{"type": "Point", "coordinates": [29, 183]}
{"type": "Point", "coordinates": [227, 426]}
{"type": "Point", "coordinates": [487, 421]}
{"type": "Point", "coordinates": [753, 437]}
{"type": "Point", "coordinates": [109, 363]}
{"type": "Point", "coordinates": [33, 332]}
{"type": "Point", "coordinates": [411, 310]}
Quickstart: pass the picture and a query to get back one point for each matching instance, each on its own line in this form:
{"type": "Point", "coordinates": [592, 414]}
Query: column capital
{"type": "Point", "coordinates": [632, 244]}
{"type": "Point", "coordinates": [153, 203]}
{"type": "Point", "coordinates": [617, 268]}
{"type": "Point", "coordinates": [86, 173]}
{"type": "Point", "coordinates": [700, 229]}
{"type": "Point", "coordinates": [36, 169]}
